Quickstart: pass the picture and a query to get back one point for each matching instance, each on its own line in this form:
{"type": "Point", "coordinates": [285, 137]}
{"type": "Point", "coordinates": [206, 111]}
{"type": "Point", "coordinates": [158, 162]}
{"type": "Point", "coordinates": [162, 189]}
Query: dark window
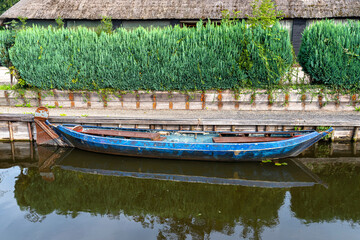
{"type": "Point", "coordinates": [193, 23]}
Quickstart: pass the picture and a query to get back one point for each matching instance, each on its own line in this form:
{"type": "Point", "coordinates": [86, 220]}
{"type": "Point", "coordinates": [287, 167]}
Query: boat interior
{"type": "Point", "coordinates": [188, 136]}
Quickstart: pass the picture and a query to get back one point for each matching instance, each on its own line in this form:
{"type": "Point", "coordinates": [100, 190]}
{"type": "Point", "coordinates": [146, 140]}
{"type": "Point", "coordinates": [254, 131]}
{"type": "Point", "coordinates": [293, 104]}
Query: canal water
{"type": "Point", "coordinates": [53, 193]}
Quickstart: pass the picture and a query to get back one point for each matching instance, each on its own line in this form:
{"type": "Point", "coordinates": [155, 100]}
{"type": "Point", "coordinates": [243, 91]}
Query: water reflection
{"type": "Point", "coordinates": [339, 202]}
{"type": "Point", "coordinates": [81, 182]}
{"type": "Point", "coordinates": [90, 182]}
{"type": "Point", "coordinates": [17, 154]}
{"type": "Point", "coordinates": [294, 174]}
{"type": "Point", "coordinates": [183, 207]}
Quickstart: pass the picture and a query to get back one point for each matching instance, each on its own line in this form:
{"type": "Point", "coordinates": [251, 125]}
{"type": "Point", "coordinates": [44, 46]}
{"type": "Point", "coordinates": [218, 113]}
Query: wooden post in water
{"type": "Point", "coordinates": [12, 151]}
{"type": "Point", "coordinates": [30, 132]}
{"type": "Point", "coordinates": [355, 134]}
{"type": "Point", "coordinates": [31, 151]}
{"type": "Point", "coordinates": [333, 136]}
{"type": "Point", "coordinates": [354, 148]}
{"type": "Point", "coordinates": [11, 133]}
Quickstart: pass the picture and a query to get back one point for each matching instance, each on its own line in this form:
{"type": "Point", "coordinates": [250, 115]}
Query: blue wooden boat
{"type": "Point", "coordinates": [189, 145]}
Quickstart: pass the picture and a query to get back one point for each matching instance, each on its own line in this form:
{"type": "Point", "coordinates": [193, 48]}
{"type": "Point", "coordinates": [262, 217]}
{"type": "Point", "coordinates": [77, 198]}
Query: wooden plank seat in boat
{"type": "Point", "coordinates": [125, 134]}
{"type": "Point", "coordinates": [266, 133]}
{"type": "Point", "coordinates": [247, 139]}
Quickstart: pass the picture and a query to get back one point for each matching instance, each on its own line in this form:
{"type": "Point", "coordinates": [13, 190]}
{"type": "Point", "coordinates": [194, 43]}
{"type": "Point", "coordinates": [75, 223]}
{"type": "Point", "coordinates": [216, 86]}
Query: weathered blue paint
{"type": "Point", "coordinates": [192, 151]}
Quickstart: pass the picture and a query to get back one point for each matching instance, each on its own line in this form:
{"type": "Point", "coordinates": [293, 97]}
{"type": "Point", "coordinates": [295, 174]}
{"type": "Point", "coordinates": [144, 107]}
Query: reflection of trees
{"type": "Point", "coordinates": [181, 208]}
{"type": "Point", "coordinates": [323, 150]}
{"type": "Point", "coordinates": [339, 202]}
{"type": "Point", "coordinates": [32, 216]}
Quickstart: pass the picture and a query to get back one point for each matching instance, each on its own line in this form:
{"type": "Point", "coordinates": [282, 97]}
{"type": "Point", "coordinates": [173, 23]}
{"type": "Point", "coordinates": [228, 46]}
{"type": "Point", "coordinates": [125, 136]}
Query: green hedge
{"type": "Point", "coordinates": [201, 58]}
{"type": "Point", "coordinates": [330, 53]}
{"type": "Point", "coordinates": [7, 40]}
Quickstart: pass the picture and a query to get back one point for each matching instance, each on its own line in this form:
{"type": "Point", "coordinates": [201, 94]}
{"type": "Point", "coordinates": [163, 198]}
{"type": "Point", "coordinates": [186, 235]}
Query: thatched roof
{"type": "Point", "coordinates": [173, 9]}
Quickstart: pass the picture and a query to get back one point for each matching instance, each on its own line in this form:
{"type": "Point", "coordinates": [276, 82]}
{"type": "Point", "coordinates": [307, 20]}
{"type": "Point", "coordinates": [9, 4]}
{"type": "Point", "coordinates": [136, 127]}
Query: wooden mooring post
{"type": "Point", "coordinates": [11, 133]}
{"type": "Point", "coordinates": [355, 134]}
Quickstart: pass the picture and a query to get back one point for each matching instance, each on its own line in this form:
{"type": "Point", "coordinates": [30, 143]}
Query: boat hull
{"type": "Point", "coordinates": [190, 151]}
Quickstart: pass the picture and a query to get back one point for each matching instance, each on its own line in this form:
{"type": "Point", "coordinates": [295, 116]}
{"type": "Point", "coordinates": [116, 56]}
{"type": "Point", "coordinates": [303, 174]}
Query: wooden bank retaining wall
{"type": "Point", "coordinates": [209, 100]}
{"type": "Point", "coordinates": [20, 127]}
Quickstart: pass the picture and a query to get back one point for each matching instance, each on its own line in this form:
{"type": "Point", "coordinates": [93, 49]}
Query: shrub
{"type": "Point", "coordinates": [7, 40]}
{"type": "Point", "coordinates": [6, 4]}
{"type": "Point", "coordinates": [330, 54]}
{"type": "Point", "coordinates": [206, 57]}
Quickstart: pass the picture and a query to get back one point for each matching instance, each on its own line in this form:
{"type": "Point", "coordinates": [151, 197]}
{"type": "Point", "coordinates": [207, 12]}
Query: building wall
{"type": "Point", "coordinates": [43, 23]}
{"type": "Point", "coordinates": [298, 28]}
{"type": "Point", "coordinates": [83, 23]}
{"type": "Point", "coordinates": [130, 24]}
{"type": "Point", "coordinates": [288, 24]}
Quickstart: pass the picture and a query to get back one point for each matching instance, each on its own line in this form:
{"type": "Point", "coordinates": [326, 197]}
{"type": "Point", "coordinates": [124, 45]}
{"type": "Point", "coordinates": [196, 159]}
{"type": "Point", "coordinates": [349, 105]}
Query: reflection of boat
{"type": "Point", "coordinates": [47, 158]}
{"type": "Point", "coordinates": [184, 145]}
{"type": "Point", "coordinates": [245, 174]}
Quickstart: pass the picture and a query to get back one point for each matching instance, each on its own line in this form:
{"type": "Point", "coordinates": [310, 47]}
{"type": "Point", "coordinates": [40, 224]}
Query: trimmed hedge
{"type": "Point", "coordinates": [201, 58]}
{"type": "Point", "coordinates": [7, 40]}
{"type": "Point", "coordinates": [330, 53]}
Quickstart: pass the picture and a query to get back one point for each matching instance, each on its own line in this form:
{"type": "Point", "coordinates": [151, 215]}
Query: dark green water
{"type": "Point", "coordinates": [48, 193]}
